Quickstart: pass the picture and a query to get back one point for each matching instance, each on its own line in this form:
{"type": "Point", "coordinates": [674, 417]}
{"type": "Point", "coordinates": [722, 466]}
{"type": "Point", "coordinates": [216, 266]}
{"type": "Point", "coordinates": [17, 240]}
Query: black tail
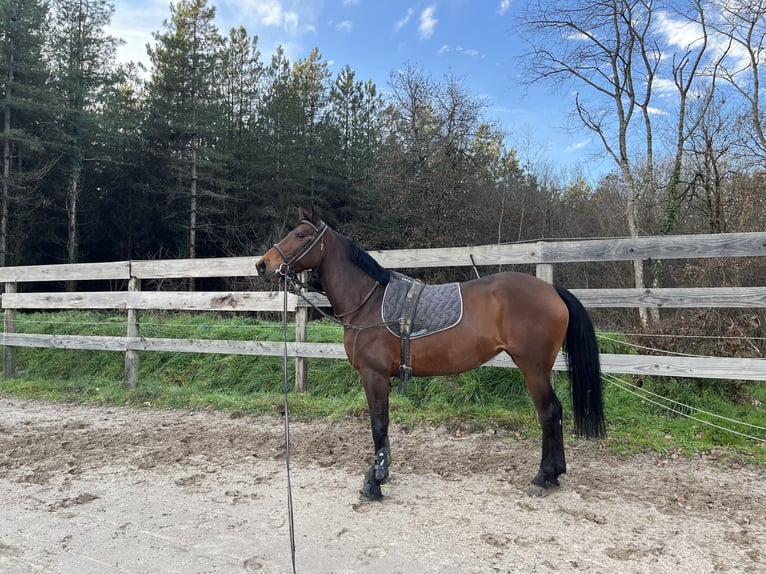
{"type": "Point", "coordinates": [584, 369]}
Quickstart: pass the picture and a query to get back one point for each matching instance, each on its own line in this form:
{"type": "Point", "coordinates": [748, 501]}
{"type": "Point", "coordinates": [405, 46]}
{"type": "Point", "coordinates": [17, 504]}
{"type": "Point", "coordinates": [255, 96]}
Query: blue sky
{"type": "Point", "coordinates": [471, 38]}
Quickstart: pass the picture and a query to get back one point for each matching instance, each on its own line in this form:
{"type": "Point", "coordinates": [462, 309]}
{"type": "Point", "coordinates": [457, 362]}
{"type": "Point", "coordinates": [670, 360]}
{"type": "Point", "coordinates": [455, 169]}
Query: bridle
{"type": "Point", "coordinates": [285, 271]}
{"type": "Point", "coordinates": [304, 249]}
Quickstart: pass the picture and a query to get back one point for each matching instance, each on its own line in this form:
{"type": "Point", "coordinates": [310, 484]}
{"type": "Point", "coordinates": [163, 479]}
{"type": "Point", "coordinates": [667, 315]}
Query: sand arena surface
{"type": "Point", "coordinates": [101, 490]}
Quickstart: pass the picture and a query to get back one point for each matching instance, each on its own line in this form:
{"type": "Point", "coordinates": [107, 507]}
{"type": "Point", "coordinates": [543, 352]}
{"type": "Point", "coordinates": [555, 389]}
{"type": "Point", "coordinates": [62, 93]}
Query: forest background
{"type": "Point", "coordinates": [209, 151]}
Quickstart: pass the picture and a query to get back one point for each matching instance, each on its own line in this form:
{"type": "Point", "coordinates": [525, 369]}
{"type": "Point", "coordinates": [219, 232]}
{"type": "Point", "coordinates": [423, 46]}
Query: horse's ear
{"type": "Point", "coordinates": [309, 214]}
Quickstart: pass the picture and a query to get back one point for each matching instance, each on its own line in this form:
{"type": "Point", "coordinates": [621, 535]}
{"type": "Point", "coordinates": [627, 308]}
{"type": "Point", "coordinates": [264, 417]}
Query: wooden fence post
{"type": "Point", "coordinates": [9, 326]}
{"type": "Point", "coordinates": [544, 271]}
{"type": "Point", "coordinates": [131, 356]}
{"type": "Point", "coordinates": [301, 335]}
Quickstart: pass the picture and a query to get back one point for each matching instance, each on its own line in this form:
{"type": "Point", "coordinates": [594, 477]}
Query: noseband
{"type": "Point", "coordinates": [284, 268]}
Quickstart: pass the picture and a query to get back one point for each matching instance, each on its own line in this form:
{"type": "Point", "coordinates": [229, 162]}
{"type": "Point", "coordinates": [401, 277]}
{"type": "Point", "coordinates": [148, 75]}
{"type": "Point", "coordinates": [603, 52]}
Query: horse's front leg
{"type": "Point", "coordinates": [376, 387]}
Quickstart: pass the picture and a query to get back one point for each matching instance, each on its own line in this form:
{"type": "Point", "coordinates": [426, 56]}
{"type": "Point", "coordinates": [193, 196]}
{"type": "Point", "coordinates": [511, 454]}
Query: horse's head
{"type": "Point", "coordinates": [299, 250]}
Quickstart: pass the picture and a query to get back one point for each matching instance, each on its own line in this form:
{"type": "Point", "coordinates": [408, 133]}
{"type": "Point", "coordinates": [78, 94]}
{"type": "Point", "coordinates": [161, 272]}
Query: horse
{"type": "Point", "coordinates": [511, 312]}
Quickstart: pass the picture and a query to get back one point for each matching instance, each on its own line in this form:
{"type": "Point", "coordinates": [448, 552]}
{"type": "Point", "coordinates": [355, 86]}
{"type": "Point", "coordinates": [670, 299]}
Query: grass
{"type": "Point", "coordinates": [480, 399]}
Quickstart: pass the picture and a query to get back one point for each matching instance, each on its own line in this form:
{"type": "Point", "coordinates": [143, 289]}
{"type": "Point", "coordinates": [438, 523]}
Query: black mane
{"type": "Point", "coordinates": [366, 263]}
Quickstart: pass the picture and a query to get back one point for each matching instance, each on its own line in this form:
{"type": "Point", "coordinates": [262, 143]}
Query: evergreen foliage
{"type": "Point", "coordinates": [210, 151]}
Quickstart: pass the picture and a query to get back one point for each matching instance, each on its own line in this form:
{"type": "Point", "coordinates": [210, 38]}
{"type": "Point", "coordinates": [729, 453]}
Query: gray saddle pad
{"type": "Point", "coordinates": [439, 307]}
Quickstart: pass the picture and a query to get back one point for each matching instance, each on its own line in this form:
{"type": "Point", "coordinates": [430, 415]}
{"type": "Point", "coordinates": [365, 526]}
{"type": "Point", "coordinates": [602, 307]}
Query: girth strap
{"type": "Point", "coordinates": [406, 319]}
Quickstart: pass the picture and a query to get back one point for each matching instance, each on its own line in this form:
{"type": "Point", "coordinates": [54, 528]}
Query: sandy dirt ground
{"type": "Point", "coordinates": [103, 490]}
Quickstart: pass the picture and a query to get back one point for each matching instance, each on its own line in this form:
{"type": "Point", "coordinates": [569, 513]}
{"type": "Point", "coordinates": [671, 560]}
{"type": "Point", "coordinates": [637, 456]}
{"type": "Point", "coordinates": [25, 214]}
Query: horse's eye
{"type": "Point", "coordinates": [300, 234]}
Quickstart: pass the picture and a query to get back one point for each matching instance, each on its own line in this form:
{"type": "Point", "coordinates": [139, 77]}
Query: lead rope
{"type": "Point", "coordinates": [286, 390]}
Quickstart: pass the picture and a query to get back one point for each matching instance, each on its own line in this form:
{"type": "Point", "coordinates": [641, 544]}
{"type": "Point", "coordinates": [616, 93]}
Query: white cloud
{"type": "Point", "coordinates": [273, 14]}
{"type": "Point", "coordinates": [135, 23]}
{"type": "Point", "coordinates": [656, 111]}
{"type": "Point", "coordinates": [427, 22]}
{"type": "Point", "coordinates": [664, 87]}
{"type": "Point", "coordinates": [447, 49]}
{"type": "Point", "coordinates": [345, 26]}
{"type": "Point", "coordinates": [680, 33]}
{"type": "Point", "coordinates": [268, 12]}
{"type": "Point", "coordinates": [576, 146]}
{"type": "Point", "coordinates": [405, 20]}
{"type": "Point", "coordinates": [504, 6]}
{"type": "Point", "coordinates": [291, 21]}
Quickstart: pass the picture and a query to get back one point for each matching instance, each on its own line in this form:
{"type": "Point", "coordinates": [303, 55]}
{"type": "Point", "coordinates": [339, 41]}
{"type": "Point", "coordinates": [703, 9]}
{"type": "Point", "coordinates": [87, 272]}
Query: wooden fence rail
{"type": "Point", "coordinates": [542, 254]}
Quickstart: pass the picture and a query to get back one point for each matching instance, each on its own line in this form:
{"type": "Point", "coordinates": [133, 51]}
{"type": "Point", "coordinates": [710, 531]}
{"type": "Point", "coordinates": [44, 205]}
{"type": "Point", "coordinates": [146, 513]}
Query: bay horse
{"type": "Point", "coordinates": [509, 312]}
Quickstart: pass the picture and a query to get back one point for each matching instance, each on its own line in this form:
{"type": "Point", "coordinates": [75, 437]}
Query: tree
{"type": "Point", "coordinates": [685, 69]}
{"type": "Point", "coordinates": [82, 55]}
{"type": "Point", "coordinates": [310, 78]}
{"type": "Point", "coordinates": [122, 219]}
{"type": "Point", "coordinates": [612, 54]}
{"type": "Point", "coordinates": [743, 24]}
{"type": "Point", "coordinates": [355, 110]}
{"type": "Point", "coordinates": [184, 103]}
{"type": "Point", "coordinates": [428, 169]}
{"type": "Point", "coordinates": [506, 188]}
{"type": "Point", "coordinates": [277, 138]}
{"type": "Point", "coordinates": [26, 106]}
{"type": "Point", "coordinates": [236, 151]}
{"type": "Point", "coordinates": [242, 77]}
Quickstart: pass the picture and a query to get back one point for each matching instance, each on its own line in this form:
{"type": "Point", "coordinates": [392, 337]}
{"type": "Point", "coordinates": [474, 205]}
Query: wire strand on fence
{"type": "Point", "coordinates": [645, 395]}
{"type": "Point", "coordinates": [656, 350]}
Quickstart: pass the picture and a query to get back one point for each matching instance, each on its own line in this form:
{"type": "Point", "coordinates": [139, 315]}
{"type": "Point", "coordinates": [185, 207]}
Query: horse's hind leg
{"type": "Point", "coordinates": [549, 413]}
{"type": "Point", "coordinates": [376, 389]}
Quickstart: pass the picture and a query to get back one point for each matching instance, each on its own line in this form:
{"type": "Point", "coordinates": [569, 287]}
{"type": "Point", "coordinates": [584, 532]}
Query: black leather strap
{"type": "Point", "coordinates": [409, 307]}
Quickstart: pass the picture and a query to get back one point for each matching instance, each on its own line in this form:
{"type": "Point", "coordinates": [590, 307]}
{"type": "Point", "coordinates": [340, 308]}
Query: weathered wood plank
{"type": "Point", "coordinates": [164, 300]}
{"type": "Point", "coordinates": [315, 299]}
{"type": "Point", "coordinates": [655, 247]}
{"type": "Point", "coordinates": [692, 367]}
{"type": "Point", "coordinates": [710, 297]}
{"type": "Point", "coordinates": [228, 347]}
{"type": "Point", "coordinates": [624, 249]}
{"type": "Point", "coordinates": [212, 300]}
{"type": "Point", "coordinates": [666, 366]}
{"type": "Point", "coordinates": [458, 256]}
{"type": "Point", "coordinates": [75, 300]}
{"type": "Point", "coordinates": [621, 249]}
{"type": "Point", "coordinates": [115, 270]}
{"type": "Point", "coordinates": [694, 297]}
{"type": "Point", "coordinates": [79, 342]}
{"type": "Point", "coordinates": [193, 268]}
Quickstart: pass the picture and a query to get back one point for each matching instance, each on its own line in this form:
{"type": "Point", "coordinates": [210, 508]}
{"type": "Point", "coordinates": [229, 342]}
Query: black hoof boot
{"type": "Point", "coordinates": [382, 462]}
{"type": "Point", "coordinates": [371, 487]}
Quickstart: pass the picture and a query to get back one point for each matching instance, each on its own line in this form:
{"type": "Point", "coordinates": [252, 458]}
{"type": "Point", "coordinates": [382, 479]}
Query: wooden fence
{"type": "Point", "coordinates": [542, 254]}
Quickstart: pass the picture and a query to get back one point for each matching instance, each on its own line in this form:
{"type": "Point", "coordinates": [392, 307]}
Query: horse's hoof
{"type": "Point", "coordinates": [535, 491]}
{"type": "Point", "coordinates": [381, 474]}
{"type": "Point", "coordinates": [370, 487]}
{"type": "Point", "coordinates": [548, 485]}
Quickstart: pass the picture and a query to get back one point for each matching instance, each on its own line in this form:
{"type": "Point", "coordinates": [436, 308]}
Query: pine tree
{"type": "Point", "coordinates": [356, 111]}
{"type": "Point", "coordinates": [184, 98]}
{"type": "Point", "coordinates": [26, 109]}
{"type": "Point", "coordinates": [83, 55]}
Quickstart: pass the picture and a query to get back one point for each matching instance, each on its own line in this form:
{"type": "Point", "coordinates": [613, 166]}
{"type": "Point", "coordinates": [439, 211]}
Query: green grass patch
{"type": "Point", "coordinates": [480, 399]}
